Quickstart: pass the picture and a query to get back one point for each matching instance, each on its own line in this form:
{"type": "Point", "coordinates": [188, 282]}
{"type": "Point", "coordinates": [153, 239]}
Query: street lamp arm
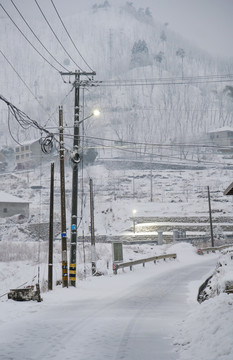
{"type": "Point", "coordinates": [81, 121]}
{"type": "Point", "coordinates": [94, 113]}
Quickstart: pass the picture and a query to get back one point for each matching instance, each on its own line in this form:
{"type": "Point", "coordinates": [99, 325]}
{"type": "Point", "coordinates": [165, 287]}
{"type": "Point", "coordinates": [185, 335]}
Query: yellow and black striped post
{"type": "Point", "coordinates": [72, 273]}
{"type": "Point", "coordinates": [64, 265]}
{"type": "Point", "coordinates": [64, 272]}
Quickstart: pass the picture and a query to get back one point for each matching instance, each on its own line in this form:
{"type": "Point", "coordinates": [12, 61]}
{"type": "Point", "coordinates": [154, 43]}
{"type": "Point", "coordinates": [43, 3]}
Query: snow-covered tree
{"type": "Point", "coordinates": [181, 53]}
{"type": "Point", "coordinates": [140, 54]}
{"type": "Point", "coordinates": [159, 57]}
{"type": "Point", "coordinates": [163, 36]}
{"type": "Point", "coordinates": [104, 5]}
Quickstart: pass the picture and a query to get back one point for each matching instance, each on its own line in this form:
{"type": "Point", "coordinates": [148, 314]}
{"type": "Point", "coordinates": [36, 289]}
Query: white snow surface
{"type": "Point", "coordinates": [95, 321]}
{"type": "Point", "coordinates": [4, 197]}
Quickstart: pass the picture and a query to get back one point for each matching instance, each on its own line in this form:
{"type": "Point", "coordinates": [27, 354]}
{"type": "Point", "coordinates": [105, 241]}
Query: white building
{"type": "Point", "coordinates": [11, 205]}
{"type": "Point", "coordinates": [222, 136]}
{"type": "Point", "coordinates": [27, 155]}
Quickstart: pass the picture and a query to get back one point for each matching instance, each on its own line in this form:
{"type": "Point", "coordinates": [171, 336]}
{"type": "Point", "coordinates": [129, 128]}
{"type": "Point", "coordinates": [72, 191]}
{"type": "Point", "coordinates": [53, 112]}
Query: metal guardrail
{"type": "Point", "coordinates": [130, 264]}
{"type": "Point", "coordinates": [194, 238]}
{"type": "Point", "coordinates": [213, 249]}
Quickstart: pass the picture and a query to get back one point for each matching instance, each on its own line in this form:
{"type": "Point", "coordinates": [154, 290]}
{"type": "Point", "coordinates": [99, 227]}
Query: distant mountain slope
{"type": "Point", "coordinates": [121, 43]}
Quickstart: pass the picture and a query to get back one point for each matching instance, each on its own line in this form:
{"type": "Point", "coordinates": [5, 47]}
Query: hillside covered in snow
{"type": "Point", "coordinates": [152, 86]}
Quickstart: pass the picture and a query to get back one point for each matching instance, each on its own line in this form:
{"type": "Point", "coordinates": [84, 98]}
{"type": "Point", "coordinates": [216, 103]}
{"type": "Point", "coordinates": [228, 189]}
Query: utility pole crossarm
{"type": "Point", "coordinates": [83, 73]}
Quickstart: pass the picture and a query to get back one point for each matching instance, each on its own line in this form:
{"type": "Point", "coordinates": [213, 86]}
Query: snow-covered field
{"type": "Point", "coordinates": [201, 331]}
{"type": "Point", "coordinates": [204, 332]}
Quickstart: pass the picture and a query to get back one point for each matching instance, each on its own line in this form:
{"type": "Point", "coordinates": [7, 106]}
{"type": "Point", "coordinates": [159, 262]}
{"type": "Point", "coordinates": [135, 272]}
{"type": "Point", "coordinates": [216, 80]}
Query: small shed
{"type": "Point", "coordinates": [11, 205]}
{"type": "Point", "coordinates": [222, 136]}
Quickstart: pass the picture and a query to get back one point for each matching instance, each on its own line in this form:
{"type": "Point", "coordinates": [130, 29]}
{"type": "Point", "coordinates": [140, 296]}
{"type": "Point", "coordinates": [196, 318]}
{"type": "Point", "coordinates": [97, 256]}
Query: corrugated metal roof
{"type": "Point", "coordinates": [28, 142]}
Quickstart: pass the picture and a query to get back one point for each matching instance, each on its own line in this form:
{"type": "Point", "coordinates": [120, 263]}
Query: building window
{"type": "Point", "coordinates": [17, 157]}
{"type": "Point", "coordinates": [27, 147]}
{"type": "Point", "coordinates": [22, 148]}
{"type": "Point", "coordinates": [22, 156]}
{"type": "Point", "coordinates": [17, 149]}
{"type": "Point", "coordinates": [27, 155]}
{"type": "Point", "coordinates": [5, 210]}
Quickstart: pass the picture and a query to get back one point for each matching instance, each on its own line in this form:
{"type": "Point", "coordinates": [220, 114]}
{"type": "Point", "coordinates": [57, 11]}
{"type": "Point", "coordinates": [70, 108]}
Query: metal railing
{"type": "Point", "coordinates": [130, 264]}
{"type": "Point", "coordinates": [213, 249]}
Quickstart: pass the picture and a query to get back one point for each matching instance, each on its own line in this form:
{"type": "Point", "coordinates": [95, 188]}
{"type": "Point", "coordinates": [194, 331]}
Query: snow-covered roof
{"type": "Point", "coordinates": [224, 128]}
{"type": "Point", "coordinates": [28, 142]}
{"type": "Point", "coordinates": [8, 198]}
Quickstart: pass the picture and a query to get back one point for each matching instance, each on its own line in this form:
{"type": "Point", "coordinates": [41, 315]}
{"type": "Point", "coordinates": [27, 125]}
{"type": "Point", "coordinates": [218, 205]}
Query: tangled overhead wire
{"type": "Point", "coordinates": [26, 122]}
{"type": "Point", "coordinates": [46, 143]}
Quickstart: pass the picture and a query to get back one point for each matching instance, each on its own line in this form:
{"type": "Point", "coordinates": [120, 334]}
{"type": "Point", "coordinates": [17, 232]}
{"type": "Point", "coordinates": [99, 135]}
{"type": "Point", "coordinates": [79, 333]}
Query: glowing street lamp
{"type": "Point", "coordinates": [96, 112]}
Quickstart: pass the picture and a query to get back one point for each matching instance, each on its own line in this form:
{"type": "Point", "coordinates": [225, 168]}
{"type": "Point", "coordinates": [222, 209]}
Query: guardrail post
{"type": "Point", "coordinates": [175, 235]}
{"type": "Point", "coordinates": [143, 264]}
{"type": "Point", "coordinates": [115, 268]}
{"type": "Point", "coordinates": [131, 267]}
{"type": "Point", "coordinates": [160, 237]}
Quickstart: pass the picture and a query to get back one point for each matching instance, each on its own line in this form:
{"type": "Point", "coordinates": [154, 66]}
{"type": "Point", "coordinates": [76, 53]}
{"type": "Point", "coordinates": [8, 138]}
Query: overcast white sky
{"type": "Point", "coordinates": [208, 23]}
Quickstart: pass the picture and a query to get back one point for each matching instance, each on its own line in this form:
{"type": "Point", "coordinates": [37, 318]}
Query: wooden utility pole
{"type": "Point", "coordinates": [75, 159]}
{"type": "Point", "coordinates": [210, 215]}
{"type": "Point", "coordinates": [50, 260]}
{"type": "Point", "coordinates": [93, 260]}
{"type": "Point", "coordinates": [63, 202]}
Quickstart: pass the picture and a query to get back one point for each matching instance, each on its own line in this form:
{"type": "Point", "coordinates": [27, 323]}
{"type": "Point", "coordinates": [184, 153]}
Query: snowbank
{"type": "Point", "coordinates": [206, 333]}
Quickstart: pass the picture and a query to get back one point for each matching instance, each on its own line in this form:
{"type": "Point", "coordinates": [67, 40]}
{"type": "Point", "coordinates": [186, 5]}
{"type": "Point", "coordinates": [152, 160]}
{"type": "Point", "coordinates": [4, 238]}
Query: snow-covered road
{"type": "Point", "coordinates": [129, 322]}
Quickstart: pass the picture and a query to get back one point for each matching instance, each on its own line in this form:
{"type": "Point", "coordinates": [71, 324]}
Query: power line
{"type": "Point", "coordinates": [147, 144]}
{"type": "Point", "coordinates": [21, 32]}
{"type": "Point", "coordinates": [69, 35]}
{"type": "Point", "coordinates": [150, 83]}
{"type": "Point", "coordinates": [20, 77]}
{"type": "Point", "coordinates": [56, 35]}
{"type": "Point", "coordinates": [168, 81]}
{"type": "Point", "coordinates": [181, 161]}
{"type": "Point", "coordinates": [178, 78]}
{"type": "Point", "coordinates": [38, 37]}
{"type": "Point", "coordinates": [26, 122]}
{"type": "Point", "coordinates": [125, 148]}
{"type": "Point", "coordinates": [62, 103]}
{"type": "Point", "coordinates": [157, 144]}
